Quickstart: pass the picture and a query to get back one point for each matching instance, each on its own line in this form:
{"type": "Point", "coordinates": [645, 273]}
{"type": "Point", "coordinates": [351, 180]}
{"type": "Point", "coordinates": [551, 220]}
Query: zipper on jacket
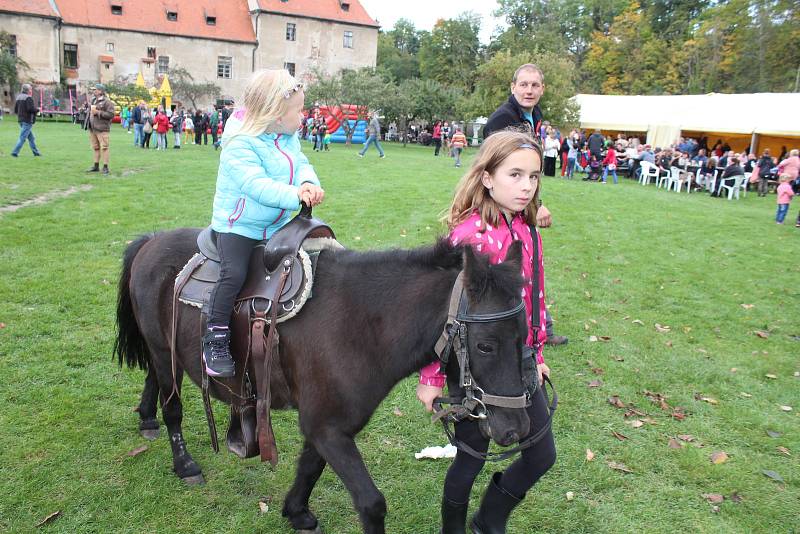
{"type": "Point", "coordinates": [291, 181]}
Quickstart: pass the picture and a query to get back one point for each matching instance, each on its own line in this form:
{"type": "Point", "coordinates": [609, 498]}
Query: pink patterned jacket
{"type": "Point", "coordinates": [495, 242]}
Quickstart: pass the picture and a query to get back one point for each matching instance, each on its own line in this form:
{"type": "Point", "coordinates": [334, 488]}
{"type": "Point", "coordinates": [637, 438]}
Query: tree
{"type": "Point", "coordinates": [10, 63]}
{"type": "Point", "coordinates": [126, 93]}
{"type": "Point", "coordinates": [398, 65]}
{"type": "Point", "coordinates": [452, 51]}
{"type": "Point", "coordinates": [184, 86]}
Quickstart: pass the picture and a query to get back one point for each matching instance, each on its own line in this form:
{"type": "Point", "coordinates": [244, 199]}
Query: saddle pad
{"type": "Point", "coordinates": [296, 291]}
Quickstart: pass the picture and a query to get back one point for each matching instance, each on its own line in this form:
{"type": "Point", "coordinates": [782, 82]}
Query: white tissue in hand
{"type": "Point", "coordinates": [448, 451]}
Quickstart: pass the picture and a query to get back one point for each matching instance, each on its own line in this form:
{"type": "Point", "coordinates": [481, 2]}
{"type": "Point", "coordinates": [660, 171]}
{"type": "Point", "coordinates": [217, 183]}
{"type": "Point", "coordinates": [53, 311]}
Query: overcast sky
{"type": "Point", "coordinates": [425, 13]}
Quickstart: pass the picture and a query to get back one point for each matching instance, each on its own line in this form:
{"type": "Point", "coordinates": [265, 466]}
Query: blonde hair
{"type": "Point", "coordinates": [265, 100]}
{"type": "Point", "coordinates": [472, 195]}
{"type": "Point", "coordinates": [784, 178]}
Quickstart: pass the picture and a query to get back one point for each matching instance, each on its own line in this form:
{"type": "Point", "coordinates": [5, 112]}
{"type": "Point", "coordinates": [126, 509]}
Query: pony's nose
{"type": "Point", "coordinates": [510, 437]}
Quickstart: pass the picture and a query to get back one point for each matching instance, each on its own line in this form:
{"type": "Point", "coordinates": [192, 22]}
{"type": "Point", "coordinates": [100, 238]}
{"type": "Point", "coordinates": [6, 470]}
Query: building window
{"type": "Point", "coordinates": [70, 56]}
{"type": "Point", "coordinates": [345, 5]}
{"type": "Point", "coordinates": [211, 21]}
{"type": "Point", "coordinates": [224, 67]}
{"type": "Point", "coordinates": [172, 15]}
{"type": "Point", "coordinates": [163, 65]}
{"type": "Point", "coordinates": [109, 47]}
{"type": "Point", "coordinates": [116, 9]}
{"type": "Point", "coordinates": [291, 31]}
{"type": "Point", "coordinates": [348, 39]}
{"type": "Point", "coordinates": [12, 45]}
{"type": "Point", "coordinates": [151, 52]}
{"type": "Point", "coordinates": [289, 67]}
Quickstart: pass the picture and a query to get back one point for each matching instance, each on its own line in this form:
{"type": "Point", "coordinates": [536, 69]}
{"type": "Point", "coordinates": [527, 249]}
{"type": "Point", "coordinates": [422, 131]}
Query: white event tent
{"type": "Point", "coordinates": [759, 120]}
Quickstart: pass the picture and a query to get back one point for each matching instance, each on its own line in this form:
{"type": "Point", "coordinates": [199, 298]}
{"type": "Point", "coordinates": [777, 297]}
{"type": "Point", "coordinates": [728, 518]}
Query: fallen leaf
{"type": "Point", "coordinates": [397, 412]}
{"type": "Point", "coordinates": [734, 369]}
{"type": "Point", "coordinates": [263, 507]}
{"type": "Point", "coordinates": [747, 306]}
{"type": "Point", "coordinates": [786, 408]}
{"type": "Point", "coordinates": [678, 414]}
{"type": "Point", "coordinates": [619, 467]}
{"type": "Point", "coordinates": [773, 475]}
{"type": "Point", "coordinates": [626, 317]}
{"type": "Point", "coordinates": [702, 351]}
{"type": "Point", "coordinates": [668, 343]}
{"type": "Point", "coordinates": [674, 444]}
{"type": "Point", "coordinates": [570, 495]}
{"type": "Point", "coordinates": [589, 455]}
{"type": "Point", "coordinates": [719, 457]}
{"type": "Point", "coordinates": [773, 434]}
{"type": "Point", "coordinates": [735, 497]}
{"type": "Point", "coordinates": [663, 329]}
{"type": "Point", "coordinates": [770, 375]}
{"type": "Point", "coordinates": [595, 383]}
{"type": "Point", "coordinates": [357, 238]}
{"type": "Point", "coordinates": [592, 338]}
{"type": "Point", "coordinates": [593, 321]}
{"type": "Point", "coordinates": [703, 398]}
{"type": "Point", "coordinates": [619, 358]}
{"type": "Point", "coordinates": [633, 411]}
{"type": "Point", "coordinates": [588, 295]}
{"type": "Point", "coordinates": [2, 325]}
{"type": "Point", "coordinates": [745, 395]}
{"type": "Point", "coordinates": [715, 509]}
{"type": "Point", "coordinates": [636, 423]}
{"type": "Point", "coordinates": [686, 437]}
{"type": "Point", "coordinates": [784, 450]}
{"type": "Point", "coordinates": [605, 338]}
{"type": "Point", "coordinates": [597, 370]}
{"type": "Point", "coordinates": [796, 373]}
{"type": "Point", "coordinates": [621, 437]}
{"type": "Point", "coordinates": [713, 498]}
{"type": "Point", "coordinates": [137, 451]}
{"type": "Point", "coordinates": [687, 329]}
{"type": "Point", "coordinates": [637, 321]}
{"type": "Point", "coordinates": [615, 401]}
{"type": "Point", "coordinates": [48, 518]}
{"type": "Point", "coordinates": [584, 275]}
{"type": "Point", "coordinates": [761, 334]}
{"type": "Point", "coordinates": [586, 326]}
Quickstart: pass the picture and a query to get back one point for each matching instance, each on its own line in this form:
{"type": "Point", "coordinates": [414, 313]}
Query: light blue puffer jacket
{"type": "Point", "coordinates": [257, 184]}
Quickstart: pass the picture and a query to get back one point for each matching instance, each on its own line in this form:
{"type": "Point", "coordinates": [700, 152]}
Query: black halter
{"type": "Point", "coordinates": [472, 406]}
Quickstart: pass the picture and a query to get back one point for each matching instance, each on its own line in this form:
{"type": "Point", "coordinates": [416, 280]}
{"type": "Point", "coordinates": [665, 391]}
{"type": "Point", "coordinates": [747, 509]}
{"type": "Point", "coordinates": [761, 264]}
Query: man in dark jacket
{"type": "Point", "coordinates": [26, 115]}
{"type": "Point", "coordinates": [522, 111]}
{"type": "Point", "coordinates": [596, 142]}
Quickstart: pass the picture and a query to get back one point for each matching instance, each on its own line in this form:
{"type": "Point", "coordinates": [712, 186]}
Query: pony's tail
{"type": "Point", "coordinates": [130, 346]}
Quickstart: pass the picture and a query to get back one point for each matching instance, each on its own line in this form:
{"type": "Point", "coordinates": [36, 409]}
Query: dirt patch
{"type": "Point", "coordinates": [45, 198]}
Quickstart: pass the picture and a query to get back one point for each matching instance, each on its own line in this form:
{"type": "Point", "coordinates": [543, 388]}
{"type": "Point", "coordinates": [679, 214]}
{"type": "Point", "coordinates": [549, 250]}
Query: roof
{"type": "Point", "coordinates": [44, 8]}
{"type": "Point", "coordinates": [320, 9]}
{"type": "Point", "coordinates": [232, 18]}
{"type": "Point", "coordinates": [776, 114]}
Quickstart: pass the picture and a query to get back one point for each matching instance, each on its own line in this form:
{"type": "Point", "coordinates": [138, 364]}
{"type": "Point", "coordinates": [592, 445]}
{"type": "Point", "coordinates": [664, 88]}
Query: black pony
{"type": "Point", "coordinates": [373, 320]}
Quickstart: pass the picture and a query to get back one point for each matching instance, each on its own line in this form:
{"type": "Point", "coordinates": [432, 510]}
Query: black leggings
{"type": "Point", "coordinates": [234, 258]}
{"type": "Point", "coordinates": [520, 476]}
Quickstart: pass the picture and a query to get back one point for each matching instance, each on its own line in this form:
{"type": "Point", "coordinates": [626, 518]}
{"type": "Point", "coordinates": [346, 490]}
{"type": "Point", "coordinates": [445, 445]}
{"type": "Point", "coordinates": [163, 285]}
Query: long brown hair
{"type": "Point", "coordinates": [472, 195]}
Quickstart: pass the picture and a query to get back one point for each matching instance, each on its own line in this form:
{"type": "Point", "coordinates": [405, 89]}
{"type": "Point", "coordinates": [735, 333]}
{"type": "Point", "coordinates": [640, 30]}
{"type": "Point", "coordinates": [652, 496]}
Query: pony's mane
{"type": "Point", "coordinates": [442, 255]}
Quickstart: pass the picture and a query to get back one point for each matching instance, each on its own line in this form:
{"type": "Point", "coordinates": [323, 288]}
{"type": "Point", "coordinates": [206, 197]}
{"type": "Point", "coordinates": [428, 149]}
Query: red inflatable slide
{"type": "Point", "coordinates": [334, 116]}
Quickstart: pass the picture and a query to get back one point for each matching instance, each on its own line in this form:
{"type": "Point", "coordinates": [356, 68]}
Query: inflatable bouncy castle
{"type": "Point", "coordinates": [334, 117]}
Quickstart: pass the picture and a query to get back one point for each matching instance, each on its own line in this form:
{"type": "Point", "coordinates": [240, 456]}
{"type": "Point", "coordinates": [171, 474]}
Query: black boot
{"type": "Point", "coordinates": [496, 506]}
{"type": "Point", "coordinates": [454, 517]}
{"type": "Point", "coordinates": [105, 169]}
{"type": "Point", "coordinates": [217, 352]}
{"type": "Point", "coordinates": [94, 168]}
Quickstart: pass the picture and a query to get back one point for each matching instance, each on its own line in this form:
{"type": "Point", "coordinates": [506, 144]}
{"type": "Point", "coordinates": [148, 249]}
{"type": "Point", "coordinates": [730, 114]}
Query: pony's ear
{"type": "Point", "coordinates": [475, 268]}
{"type": "Point", "coordinates": [514, 255]}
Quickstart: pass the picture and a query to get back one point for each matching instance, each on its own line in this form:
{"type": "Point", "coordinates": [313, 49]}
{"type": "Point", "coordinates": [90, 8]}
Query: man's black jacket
{"type": "Point", "coordinates": [510, 114]}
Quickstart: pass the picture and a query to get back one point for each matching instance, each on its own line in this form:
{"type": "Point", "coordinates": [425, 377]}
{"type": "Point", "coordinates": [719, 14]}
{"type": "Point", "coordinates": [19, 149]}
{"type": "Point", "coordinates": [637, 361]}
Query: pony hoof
{"type": "Point", "coordinates": [195, 480]}
{"type": "Point", "coordinates": [150, 433]}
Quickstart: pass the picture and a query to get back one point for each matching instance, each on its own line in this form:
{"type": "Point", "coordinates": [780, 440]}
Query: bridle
{"type": "Point", "coordinates": [473, 405]}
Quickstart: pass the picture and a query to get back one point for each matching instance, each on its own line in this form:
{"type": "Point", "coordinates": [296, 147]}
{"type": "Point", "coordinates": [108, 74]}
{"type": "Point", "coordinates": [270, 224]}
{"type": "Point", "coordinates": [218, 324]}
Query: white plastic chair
{"type": "Point", "coordinates": [663, 176]}
{"type": "Point", "coordinates": [684, 177]}
{"type": "Point", "coordinates": [648, 171]}
{"type": "Point", "coordinates": [746, 181]}
{"type": "Point", "coordinates": [674, 178]}
{"type": "Point", "coordinates": [733, 184]}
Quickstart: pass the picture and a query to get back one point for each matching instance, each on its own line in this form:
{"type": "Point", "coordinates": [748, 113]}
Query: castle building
{"type": "Point", "coordinates": [221, 41]}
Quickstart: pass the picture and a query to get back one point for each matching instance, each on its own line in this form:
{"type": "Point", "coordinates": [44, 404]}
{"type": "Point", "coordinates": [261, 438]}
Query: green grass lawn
{"type": "Point", "coordinates": [619, 260]}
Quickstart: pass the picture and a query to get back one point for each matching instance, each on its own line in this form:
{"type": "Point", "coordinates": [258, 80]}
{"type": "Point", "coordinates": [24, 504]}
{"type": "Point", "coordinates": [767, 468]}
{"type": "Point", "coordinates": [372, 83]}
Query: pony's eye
{"type": "Point", "coordinates": [485, 348]}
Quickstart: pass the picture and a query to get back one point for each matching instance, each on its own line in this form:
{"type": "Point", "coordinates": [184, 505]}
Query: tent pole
{"type": "Point", "coordinates": [754, 143]}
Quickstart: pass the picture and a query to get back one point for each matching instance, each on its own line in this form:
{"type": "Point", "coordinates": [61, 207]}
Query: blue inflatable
{"type": "Point", "coordinates": [359, 135]}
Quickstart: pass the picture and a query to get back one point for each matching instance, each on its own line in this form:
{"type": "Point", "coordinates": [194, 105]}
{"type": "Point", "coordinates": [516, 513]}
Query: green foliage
{"type": "Point", "coordinates": [10, 65]}
{"type": "Point", "coordinates": [451, 52]}
{"type": "Point", "coordinates": [185, 87]}
{"type": "Point", "coordinates": [126, 93]}
{"type": "Point", "coordinates": [397, 63]}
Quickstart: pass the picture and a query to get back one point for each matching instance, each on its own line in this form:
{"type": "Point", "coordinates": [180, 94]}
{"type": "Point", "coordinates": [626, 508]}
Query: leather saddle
{"type": "Point", "coordinates": [278, 283]}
